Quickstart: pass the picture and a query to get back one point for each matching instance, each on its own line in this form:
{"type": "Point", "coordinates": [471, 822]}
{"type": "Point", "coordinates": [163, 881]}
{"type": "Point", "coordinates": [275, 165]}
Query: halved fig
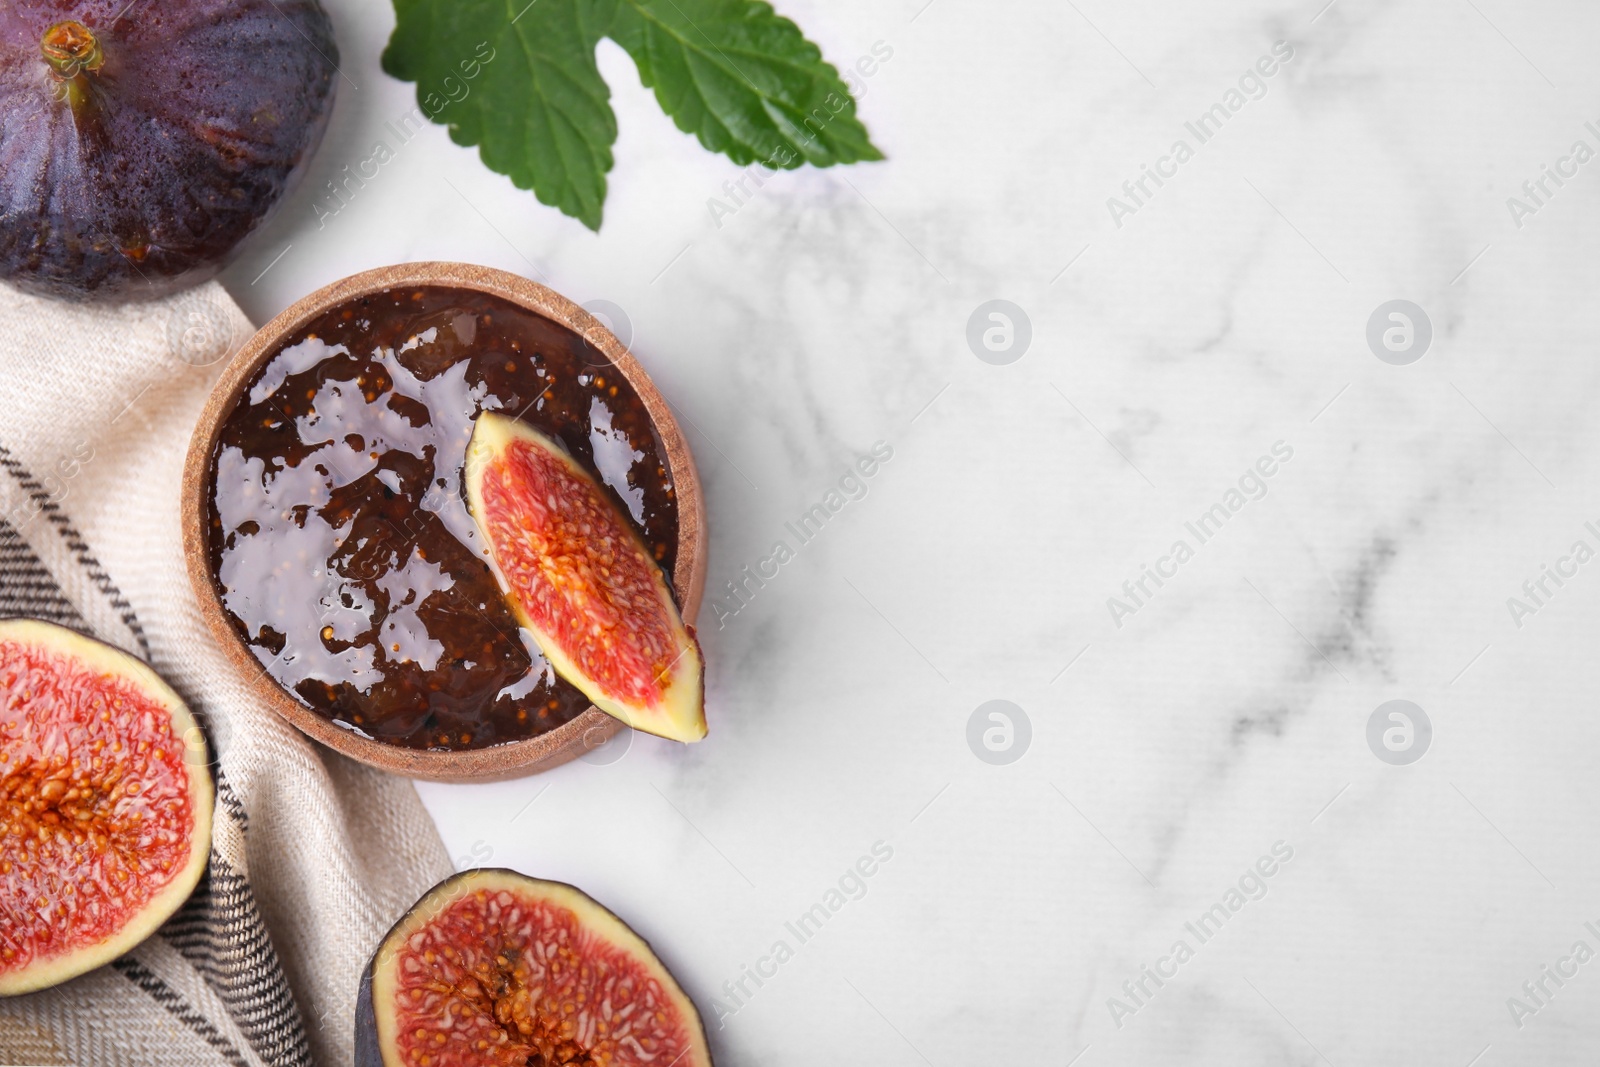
{"type": "Point", "coordinates": [579, 578]}
{"type": "Point", "coordinates": [492, 968]}
{"type": "Point", "coordinates": [105, 804]}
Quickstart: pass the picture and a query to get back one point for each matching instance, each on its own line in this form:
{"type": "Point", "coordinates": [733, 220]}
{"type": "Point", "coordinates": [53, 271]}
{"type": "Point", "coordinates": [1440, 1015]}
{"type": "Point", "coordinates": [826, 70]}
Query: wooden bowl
{"type": "Point", "coordinates": [511, 759]}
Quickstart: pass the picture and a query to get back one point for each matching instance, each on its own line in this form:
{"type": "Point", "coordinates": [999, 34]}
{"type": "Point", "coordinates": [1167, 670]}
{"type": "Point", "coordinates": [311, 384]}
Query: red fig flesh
{"type": "Point", "coordinates": [492, 968]}
{"type": "Point", "coordinates": [579, 579]}
{"type": "Point", "coordinates": [105, 804]}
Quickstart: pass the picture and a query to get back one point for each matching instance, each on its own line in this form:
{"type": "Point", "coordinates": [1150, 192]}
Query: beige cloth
{"type": "Point", "coordinates": [96, 409]}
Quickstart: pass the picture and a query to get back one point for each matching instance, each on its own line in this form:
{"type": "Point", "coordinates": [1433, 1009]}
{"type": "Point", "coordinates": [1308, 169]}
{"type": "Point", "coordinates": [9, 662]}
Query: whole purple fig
{"type": "Point", "coordinates": [142, 140]}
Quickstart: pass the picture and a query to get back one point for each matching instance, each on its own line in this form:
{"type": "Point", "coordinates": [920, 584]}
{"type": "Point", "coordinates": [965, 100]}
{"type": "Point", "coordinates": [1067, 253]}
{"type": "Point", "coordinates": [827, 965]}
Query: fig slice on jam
{"type": "Point", "coordinates": [492, 968]}
{"type": "Point", "coordinates": [578, 577]}
{"type": "Point", "coordinates": [105, 804]}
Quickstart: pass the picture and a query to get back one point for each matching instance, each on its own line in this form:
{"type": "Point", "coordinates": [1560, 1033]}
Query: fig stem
{"type": "Point", "coordinates": [73, 53]}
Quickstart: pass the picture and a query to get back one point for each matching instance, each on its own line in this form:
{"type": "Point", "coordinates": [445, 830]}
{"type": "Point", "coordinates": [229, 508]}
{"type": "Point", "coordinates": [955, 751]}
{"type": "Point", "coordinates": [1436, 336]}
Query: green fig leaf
{"type": "Point", "coordinates": [744, 80]}
{"type": "Point", "coordinates": [518, 79]}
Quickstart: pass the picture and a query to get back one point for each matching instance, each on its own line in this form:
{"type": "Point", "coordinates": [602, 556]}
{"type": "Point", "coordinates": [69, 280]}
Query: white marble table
{"type": "Point", "coordinates": [1176, 738]}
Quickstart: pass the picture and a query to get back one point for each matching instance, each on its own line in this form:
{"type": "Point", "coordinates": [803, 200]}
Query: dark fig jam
{"type": "Point", "coordinates": [340, 538]}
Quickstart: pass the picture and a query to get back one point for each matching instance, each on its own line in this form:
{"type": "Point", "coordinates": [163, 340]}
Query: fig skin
{"type": "Point", "coordinates": [134, 162]}
{"type": "Point", "coordinates": [78, 656]}
{"type": "Point", "coordinates": [597, 921]}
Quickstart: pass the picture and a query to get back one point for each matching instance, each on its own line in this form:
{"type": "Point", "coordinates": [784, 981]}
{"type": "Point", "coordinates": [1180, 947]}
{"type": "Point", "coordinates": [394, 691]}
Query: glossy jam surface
{"type": "Point", "coordinates": [95, 805]}
{"type": "Point", "coordinates": [341, 542]}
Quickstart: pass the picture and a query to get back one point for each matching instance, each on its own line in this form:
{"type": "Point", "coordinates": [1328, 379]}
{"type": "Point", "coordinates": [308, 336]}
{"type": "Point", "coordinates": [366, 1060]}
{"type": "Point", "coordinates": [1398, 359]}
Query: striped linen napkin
{"type": "Point", "coordinates": [313, 856]}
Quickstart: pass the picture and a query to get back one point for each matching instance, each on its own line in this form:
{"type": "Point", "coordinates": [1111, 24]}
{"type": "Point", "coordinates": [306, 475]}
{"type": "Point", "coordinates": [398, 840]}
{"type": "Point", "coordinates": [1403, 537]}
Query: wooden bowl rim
{"type": "Point", "coordinates": [515, 758]}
